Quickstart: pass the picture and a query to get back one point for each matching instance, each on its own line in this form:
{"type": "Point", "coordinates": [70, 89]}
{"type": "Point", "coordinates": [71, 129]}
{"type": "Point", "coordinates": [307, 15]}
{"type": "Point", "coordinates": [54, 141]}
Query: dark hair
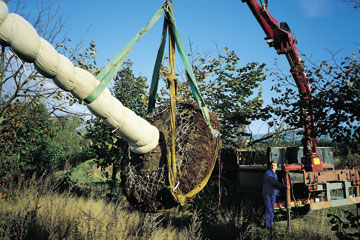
{"type": "Point", "coordinates": [270, 164]}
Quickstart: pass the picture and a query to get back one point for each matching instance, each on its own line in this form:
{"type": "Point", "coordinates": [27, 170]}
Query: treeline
{"type": "Point", "coordinates": [39, 129]}
{"type": "Point", "coordinates": [35, 141]}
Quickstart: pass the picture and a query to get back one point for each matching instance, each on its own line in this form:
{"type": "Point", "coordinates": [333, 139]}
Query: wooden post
{"type": "Point", "coordinates": [288, 200]}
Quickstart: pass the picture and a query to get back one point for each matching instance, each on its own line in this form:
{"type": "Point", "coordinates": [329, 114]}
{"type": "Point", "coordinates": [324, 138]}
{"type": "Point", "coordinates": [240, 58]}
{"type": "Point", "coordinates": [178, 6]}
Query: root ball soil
{"type": "Point", "coordinates": [144, 177]}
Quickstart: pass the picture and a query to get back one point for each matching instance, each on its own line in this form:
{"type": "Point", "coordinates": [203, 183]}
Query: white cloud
{"type": "Point", "coordinates": [316, 8]}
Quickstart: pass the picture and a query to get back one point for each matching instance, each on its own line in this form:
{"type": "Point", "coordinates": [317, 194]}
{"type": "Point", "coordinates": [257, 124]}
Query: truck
{"type": "Point", "coordinates": [307, 172]}
{"type": "Point", "coordinates": [241, 171]}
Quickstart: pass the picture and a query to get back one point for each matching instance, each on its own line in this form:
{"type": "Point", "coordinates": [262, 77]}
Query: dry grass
{"type": "Point", "coordinates": [34, 210]}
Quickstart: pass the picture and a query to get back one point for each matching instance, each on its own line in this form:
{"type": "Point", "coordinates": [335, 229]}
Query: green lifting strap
{"type": "Point", "coordinates": [110, 70]}
{"type": "Point", "coordinates": [192, 80]}
{"type": "Point", "coordinates": [156, 71]}
{"type": "Point", "coordinates": [169, 21]}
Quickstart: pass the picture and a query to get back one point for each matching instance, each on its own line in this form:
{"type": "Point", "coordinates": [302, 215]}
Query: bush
{"type": "Point", "coordinates": [345, 228]}
{"type": "Point", "coordinates": [30, 143]}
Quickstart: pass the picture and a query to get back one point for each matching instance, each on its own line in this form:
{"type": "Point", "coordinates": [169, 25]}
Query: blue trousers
{"type": "Point", "coordinates": [269, 209]}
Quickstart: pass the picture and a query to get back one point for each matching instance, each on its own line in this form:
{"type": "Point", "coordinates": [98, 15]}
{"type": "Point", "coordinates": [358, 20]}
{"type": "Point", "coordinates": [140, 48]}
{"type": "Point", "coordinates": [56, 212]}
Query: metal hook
{"type": "Point", "coordinates": [167, 2]}
{"type": "Point", "coordinates": [176, 186]}
{"type": "Point", "coordinates": [265, 4]}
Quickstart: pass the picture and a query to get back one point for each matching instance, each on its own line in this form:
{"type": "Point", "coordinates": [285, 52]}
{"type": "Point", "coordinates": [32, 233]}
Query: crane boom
{"type": "Point", "coordinates": [280, 37]}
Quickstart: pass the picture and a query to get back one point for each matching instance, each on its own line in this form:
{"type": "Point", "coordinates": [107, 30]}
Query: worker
{"type": "Point", "coordinates": [270, 190]}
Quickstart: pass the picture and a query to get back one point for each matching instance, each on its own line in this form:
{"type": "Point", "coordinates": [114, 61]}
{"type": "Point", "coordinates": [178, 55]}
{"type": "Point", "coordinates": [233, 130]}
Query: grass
{"type": "Point", "coordinates": [88, 172]}
{"type": "Point", "coordinates": [39, 212]}
{"type": "Point", "coordinates": [36, 209]}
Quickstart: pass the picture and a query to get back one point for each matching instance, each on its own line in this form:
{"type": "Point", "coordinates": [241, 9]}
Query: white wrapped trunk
{"type": "Point", "coordinates": [23, 39]}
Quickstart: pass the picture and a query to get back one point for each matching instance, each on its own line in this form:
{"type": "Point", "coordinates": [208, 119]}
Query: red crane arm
{"type": "Point", "coordinates": [279, 36]}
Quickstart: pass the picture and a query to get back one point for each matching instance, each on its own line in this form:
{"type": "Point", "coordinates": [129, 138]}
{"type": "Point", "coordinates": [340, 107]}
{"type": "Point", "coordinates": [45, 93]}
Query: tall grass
{"type": "Point", "coordinates": [34, 209]}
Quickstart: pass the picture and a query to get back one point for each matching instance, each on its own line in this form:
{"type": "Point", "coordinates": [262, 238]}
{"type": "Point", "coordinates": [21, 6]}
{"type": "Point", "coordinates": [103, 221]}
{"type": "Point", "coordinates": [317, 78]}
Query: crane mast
{"type": "Point", "coordinates": [280, 37]}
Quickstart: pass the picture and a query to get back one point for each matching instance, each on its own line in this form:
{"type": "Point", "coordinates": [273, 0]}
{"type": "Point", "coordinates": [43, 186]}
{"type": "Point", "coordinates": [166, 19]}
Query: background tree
{"type": "Point", "coordinates": [70, 129]}
{"type": "Point", "coordinates": [107, 147]}
{"type": "Point", "coordinates": [23, 90]}
{"type": "Point", "coordinates": [230, 90]}
{"type": "Point", "coordinates": [27, 143]}
{"type": "Point", "coordinates": [336, 99]}
{"type": "Point", "coordinates": [19, 81]}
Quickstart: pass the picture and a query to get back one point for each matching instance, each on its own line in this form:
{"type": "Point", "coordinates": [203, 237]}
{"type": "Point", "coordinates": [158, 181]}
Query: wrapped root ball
{"type": "Point", "coordinates": [144, 178]}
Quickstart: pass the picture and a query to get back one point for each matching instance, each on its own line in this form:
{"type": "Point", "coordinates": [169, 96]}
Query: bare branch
{"type": "Point", "coordinates": [355, 2]}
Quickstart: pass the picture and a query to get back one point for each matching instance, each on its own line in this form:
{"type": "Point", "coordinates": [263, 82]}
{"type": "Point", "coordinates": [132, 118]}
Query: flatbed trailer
{"type": "Point", "coordinates": [304, 191]}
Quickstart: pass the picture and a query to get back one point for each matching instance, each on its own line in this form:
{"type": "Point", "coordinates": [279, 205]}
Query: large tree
{"type": "Point", "coordinates": [335, 98]}
{"type": "Point", "coordinates": [20, 82]}
{"type": "Point", "coordinates": [230, 90]}
{"type": "Point", "coordinates": [27, 144]}
{"type": "Point", "coordinates": [24, 92]}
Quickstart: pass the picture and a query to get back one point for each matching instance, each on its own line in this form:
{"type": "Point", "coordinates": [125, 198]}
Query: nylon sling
{"type": "Point", "coordinates": [174, 39]}
{"type": "Point", "coordinates": [110, 70]}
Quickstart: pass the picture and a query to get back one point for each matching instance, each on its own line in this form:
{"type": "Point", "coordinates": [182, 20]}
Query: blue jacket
{"type": "Point", "coordinates": [271, 183]}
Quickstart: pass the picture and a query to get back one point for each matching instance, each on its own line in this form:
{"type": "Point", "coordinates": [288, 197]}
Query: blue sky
{"type": "Point", "coordinates": [319, 25]}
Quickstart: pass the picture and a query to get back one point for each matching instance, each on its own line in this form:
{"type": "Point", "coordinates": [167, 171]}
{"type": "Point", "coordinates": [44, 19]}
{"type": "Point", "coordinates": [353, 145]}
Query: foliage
{"type": "Point", "coordinates": [335, 99]}
{"type": "Point", "coordinates": [50, 141]}
{"type": "Point", "coordinates": [28, 141]}
{"type": "Point", "coordinates": [230, 90]}
{"type": "Point", "coordinates": [106, 146]}
{"type": "Point", "coordinates": [345, 228]}
{"type": "Point", "coordinates": [349, 156]}
{"type": "Point", "coordinates": [20, 81]}
{"type": "Point", "coordinates": [131, 89]}
{"type": "Point", "coordinates": [35, 141]}
{"type": "Point", "coordinates": [69, 138]}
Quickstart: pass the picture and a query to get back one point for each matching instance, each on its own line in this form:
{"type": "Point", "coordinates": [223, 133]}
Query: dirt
{"type": "Point", "coordinates": [144, 177]}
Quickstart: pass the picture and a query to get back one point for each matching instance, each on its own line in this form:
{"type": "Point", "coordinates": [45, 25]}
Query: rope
{"type": "Point", "coordinates": [181, 197]}
{"type": "Point", "coordinates": [156, 71]}
{"type": "Point", "coordinates": [169, 22]}
{"type": "Point", "coordinates": [192, 80]}
{"type": "Point", "coordinates": [110, 70]}
{"type": "Point", "coordinates": [173, 92]}
{"type": "Point", "coordinates": [174, 38]}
